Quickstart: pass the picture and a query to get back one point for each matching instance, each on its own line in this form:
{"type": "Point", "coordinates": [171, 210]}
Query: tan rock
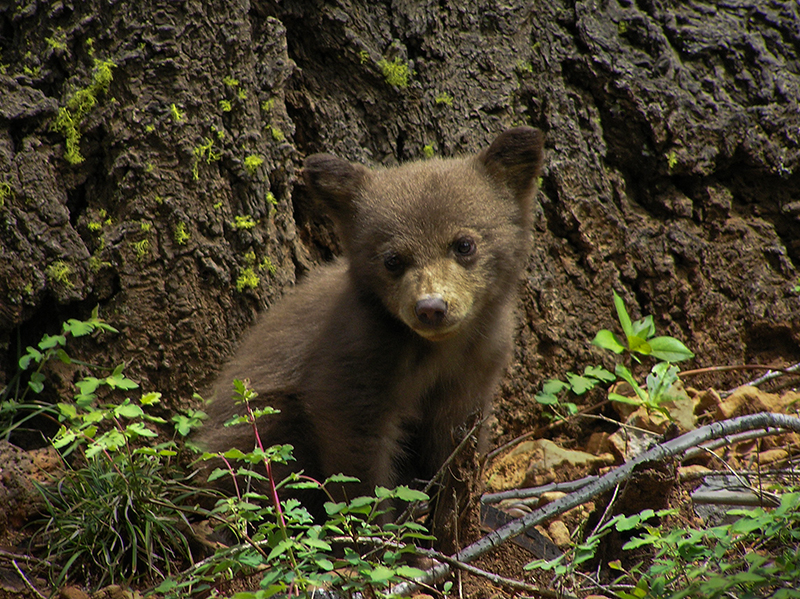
{"type": "Point", "coordinates": [559, 533]}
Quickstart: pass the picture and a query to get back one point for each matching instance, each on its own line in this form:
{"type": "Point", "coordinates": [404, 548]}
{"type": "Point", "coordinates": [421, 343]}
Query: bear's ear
{"type": "Point", "coordinates": [515, 159]}
{"type": "Point", "coordinates": [335, 182]}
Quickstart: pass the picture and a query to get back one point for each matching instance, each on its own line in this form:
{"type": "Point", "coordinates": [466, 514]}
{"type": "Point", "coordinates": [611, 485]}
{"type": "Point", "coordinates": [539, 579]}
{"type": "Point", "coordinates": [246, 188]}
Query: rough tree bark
{"type": "Point", "coordinates": [672, 177]}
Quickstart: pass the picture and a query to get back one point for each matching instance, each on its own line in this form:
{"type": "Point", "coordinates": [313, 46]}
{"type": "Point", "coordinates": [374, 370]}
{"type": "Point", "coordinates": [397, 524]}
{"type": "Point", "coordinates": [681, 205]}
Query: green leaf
{"type": "Point", "coordinates": [625, 374]}
{"type": "Point", "coordinates": [622, 314]}
{"type": "Point", "coordinates": [605, 339]}
{"type": "Point", "coordinates": [51, 341]}
{"type": "Point", "coordinates": [140, 429]}
{"type": "Point", "coordinates": [406, 494]}
{"type": "Point", "coordinates": [644, 328]}
{"type": "Point", "coordinates": [148, 399]}
{"type": "Point", "coordinates": [600, 374]}
{"type": "Point", "coordinates": [341, 478]}
{"type": "Point", "coordinates": [580, 384]}
{"type": "Point", "coordinates": [37, 382]}
{"type": "Point", "coordinates": [233, 454]}
{"type": "Point", "coordinates": [88, 385]}
{"type": "Point", "coordinates": [78, 328]}
{"type": "Point", "coordinates": [669, 349]}
{"type": "Point", "coordinates": [637, 344]}
{"type": "Point", "coordinates": [546, 399]}
{"type": "Point", "coordinates": [117, 380]}
{"type": "Point", "coordinates": [380, 574]}
{"type": "Point", "coordinates": [63, 356]}
{"type": "Point", "coordinates": [128, 410]}
{"type": "Point", "coordinates": [32, 355]}
{"type": "Point", "coordinates": [217, 473]}
{"type": "Point", "coordinates": [554, 386]}
{"type": "Point", "coordinates": [67, 410]}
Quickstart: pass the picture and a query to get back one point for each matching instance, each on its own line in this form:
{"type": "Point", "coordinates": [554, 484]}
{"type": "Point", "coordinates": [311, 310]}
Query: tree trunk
{"type": "Point", "coordinates": [672, 170]}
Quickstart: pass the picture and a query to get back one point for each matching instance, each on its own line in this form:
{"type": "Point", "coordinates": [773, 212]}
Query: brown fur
{"type": "Point", "coordinates": [377, 359]}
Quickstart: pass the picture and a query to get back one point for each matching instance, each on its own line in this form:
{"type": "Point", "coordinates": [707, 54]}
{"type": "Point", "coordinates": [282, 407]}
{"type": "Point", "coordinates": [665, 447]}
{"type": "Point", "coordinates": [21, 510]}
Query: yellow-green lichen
{"type": "Point", "coordinates": [396, 72]}
{"type": "Point", "coordinates": [248, 279]}
{"type": "Point", "coordinates": [181, 235]}
{"type": "Point", "coordinates": [60, 272]}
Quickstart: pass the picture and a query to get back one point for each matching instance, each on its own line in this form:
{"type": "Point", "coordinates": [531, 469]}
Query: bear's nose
{"type": "Point", "coordinates": [431, 310]}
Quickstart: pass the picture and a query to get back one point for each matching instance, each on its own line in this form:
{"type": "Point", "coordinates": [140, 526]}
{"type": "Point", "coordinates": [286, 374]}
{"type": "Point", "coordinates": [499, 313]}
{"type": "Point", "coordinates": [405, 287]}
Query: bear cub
{"type": "Point", "coordinates": [376, 360]}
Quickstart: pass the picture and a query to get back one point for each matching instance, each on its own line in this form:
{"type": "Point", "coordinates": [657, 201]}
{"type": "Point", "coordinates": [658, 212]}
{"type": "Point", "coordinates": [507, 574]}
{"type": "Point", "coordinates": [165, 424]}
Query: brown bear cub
{"type": "Point", "coordinates": [376, 360]}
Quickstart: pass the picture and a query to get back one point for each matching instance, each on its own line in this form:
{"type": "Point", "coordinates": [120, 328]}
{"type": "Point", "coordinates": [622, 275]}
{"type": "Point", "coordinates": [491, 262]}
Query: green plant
{"type": "Point", "coordinates": [639, 339]}
{"type": "Point", "coordinates": [231, 81]}
{"type": "Point", "coordinates": [15, 407]}
{"type": "Point", "coordinates": [428, 151]}
{"type": "Point", "coordinates": [70, 117]}
{"type": "Point", "coordinates": [295, 555]}
{"type": "Point", "coordinates": [118, 517]}
{"type": "Point", "coordinates": [225, 105]}
{"type": "Point", "coordinates": [756, 555]}
{"type": "Point", "coordinates": [268, 105]}
{"type": "Point", "coordinates": [363, 56]}
{"type": "Point", "coordinates": [241, 94]}
{"type": "Point", "coordinates": [271, 199]}
{"type": "Point", "coordinates": [252, 164]}
{"type": "Point", "coordinates": [396, 72]}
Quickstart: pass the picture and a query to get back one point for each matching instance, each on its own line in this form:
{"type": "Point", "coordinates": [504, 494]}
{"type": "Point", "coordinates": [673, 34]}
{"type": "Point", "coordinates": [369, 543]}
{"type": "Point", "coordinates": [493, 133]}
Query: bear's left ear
{"type": "Point", "coordinates": [515, 159]}
{"type": "Point", "coordinates": [335, 182]}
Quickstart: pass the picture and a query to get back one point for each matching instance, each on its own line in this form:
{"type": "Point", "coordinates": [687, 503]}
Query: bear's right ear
{"type": "Point", "coordinates": [515, 159]}
{"type": "Point", "coordinates": [335, 182]}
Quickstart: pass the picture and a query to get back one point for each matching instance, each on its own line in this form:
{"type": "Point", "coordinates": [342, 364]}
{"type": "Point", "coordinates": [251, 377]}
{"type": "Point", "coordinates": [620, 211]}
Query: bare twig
{"type": "Point", "coordinates": [730, 440]}
{"type": "Point", "coordinates": [660, 452]}
{"type": "Point", "coordinates": [536, 491]}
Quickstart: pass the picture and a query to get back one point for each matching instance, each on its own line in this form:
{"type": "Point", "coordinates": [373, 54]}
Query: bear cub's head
{"type": "Point", "coordinates": [437, 242]}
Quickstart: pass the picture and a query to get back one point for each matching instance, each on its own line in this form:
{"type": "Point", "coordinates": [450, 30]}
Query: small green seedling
{"type": "Point", "coordinates": [396, 72]}
{"type": "Point", "coordinates": [640, 338]}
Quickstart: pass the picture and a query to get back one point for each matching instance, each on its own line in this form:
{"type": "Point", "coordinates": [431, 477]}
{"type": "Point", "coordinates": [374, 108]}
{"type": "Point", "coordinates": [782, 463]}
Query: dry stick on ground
{"type": "Point", "coordinates": [604, 483]}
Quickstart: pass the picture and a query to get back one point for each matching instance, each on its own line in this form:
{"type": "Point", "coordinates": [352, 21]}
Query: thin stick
{"type": "Point", "coordinates": [604, 483]}
{"type": "Point", "coordinates": [567, 487]}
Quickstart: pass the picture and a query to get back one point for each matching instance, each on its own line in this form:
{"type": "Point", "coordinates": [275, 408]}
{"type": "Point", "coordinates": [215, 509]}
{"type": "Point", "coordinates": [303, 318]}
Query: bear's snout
{"type": "Point", "coordinates": [431, 310]}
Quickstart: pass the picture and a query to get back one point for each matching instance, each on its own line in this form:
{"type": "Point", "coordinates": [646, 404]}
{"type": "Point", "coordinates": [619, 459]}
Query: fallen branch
{"type": "Point", "coordinates": [605, 483]}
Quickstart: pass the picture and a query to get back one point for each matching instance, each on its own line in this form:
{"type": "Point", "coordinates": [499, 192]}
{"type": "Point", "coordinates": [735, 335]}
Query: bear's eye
{"type": "Point", "coordinates": [393, 262]}
{"type": "Point", "coordinates": [465, 246]}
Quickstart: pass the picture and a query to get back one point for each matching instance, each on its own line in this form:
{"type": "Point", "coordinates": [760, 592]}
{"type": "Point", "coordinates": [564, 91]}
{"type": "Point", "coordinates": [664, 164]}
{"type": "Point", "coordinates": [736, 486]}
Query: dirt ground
{"type": "Point", "coordinates": [673, 163]}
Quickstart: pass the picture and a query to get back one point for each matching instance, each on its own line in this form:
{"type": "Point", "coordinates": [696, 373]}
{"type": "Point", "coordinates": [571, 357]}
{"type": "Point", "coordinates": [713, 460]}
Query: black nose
{"type": "Point", "coordinates": [431, 311]}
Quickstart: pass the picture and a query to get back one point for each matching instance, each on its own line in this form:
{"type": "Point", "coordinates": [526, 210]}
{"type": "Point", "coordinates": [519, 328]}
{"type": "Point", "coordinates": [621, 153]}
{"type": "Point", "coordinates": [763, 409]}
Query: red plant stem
{"type": "Point", "coordinates": [233, 476]}
{"type": "Point", "coordinates": [273, 488]}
